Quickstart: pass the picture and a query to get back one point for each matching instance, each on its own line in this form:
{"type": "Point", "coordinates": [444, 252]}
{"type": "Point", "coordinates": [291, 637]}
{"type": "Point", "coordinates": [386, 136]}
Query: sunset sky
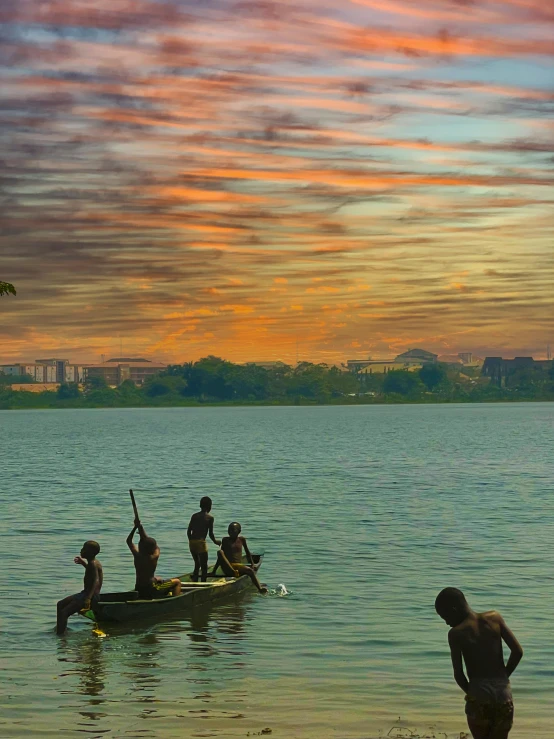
{"type": "Point", "coordinates": [353, 177]}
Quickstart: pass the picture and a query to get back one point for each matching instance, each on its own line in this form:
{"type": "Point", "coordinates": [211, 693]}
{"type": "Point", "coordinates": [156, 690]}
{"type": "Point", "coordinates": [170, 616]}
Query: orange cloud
{"type": "Point", "coordinates": [225, 179]}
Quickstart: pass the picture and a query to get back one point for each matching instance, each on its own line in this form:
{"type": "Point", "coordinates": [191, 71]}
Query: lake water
{"type": "Point", "coordinates": [364, 513]}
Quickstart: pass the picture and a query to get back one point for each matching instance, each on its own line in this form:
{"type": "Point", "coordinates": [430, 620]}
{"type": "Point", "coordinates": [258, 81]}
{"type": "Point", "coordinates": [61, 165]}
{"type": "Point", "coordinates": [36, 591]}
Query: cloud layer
{"type": "Point", "coordinates": [242, 178]}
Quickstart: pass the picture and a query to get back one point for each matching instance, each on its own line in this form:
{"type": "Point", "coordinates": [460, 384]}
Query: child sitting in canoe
{"type": "Point", "coordinates": [476, 639]}
{"type": "Point", "coordinates": [146, 557]}
{"type": "Point", "coordinates": [201, 524]}
{"type": "Point", "coordinates": [92, 584]}
{"type": "Point", "coordinates": [229, 557]}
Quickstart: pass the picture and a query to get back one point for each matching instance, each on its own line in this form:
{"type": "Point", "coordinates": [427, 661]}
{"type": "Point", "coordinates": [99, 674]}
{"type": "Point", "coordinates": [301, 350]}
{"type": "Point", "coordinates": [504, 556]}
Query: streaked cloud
{"type": "Point", "coordinates": [239, 177]}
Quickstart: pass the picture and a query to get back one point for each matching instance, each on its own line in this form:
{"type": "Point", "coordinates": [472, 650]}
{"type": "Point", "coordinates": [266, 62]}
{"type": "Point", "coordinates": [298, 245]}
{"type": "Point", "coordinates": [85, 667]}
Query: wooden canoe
{"type": "Point", "coordinates": [126, 606]}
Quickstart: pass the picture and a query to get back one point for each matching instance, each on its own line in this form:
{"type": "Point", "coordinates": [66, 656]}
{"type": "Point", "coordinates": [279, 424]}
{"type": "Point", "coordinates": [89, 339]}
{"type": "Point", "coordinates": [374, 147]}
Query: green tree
{"type": "Point", "coordinates": [371, 382]}
{"type": "Point", "coordinates": [247, 382]}
{"type": "Point", "coordinates": [6, 288]}
{"type": "Point", "coordinates": [129, 393]}
{"type": "Point", "coordinates": [402, 382]}
{"type": "Point", "coordinates": [433, 375]}
{"type": "Point", "coordinates": [309, 380]}
{"type": "Point", "coordinates": [342, 383]}
{"type": "Point", "coordinates": [157, 389]}
{"type": "Point", "coordinates": [213, 375]}
{"type": "Point", "coordinates": [15, 379]}
{"type": "Point", "coordinates": [531, 381]}
{"type": "Point", "coordinates": [102, 397]}
{"type": "Point", "coordinates": [163, 385]}
{"type": "Point", "coordinates": [96, 382]}
{"type": "Point", "coordinates": [67, 391]}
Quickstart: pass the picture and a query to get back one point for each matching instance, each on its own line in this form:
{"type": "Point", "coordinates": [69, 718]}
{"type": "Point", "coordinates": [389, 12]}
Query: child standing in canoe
{"type": "Point", "coordinates": [476, 640]}
{"type": "Point", "coordinates": [92, 584]}
{"type": "Point", "coordinates": [201, 524]}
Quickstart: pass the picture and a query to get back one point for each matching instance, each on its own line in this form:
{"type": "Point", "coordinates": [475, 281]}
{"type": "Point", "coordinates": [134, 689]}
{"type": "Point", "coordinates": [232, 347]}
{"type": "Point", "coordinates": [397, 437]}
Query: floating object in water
{"type": "Point", "coordinates": [281, 590]}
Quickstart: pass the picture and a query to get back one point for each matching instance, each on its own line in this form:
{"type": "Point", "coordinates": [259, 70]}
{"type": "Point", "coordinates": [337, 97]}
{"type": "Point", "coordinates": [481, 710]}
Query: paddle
{"type": "Point", "coordinates": [134, 505]}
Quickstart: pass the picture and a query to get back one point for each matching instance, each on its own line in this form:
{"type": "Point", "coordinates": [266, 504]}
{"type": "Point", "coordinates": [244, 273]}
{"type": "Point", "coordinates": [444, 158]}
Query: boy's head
{"type": "Point", "coordinates": [90, 549]}
{"type": "Point", "coordinates": [148, 545]}
{"type": "Point", "coordinates": [206, 504]}
{"type": "Point", "coordinates": [234, 530]}
{"type": "Point", "coordinates": [452, 606]}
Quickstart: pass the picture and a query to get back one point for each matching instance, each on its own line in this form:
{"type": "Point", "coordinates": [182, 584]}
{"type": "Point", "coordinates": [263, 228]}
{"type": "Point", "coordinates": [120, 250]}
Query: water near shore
{"type": "Point", "coordinates": [365, 513]}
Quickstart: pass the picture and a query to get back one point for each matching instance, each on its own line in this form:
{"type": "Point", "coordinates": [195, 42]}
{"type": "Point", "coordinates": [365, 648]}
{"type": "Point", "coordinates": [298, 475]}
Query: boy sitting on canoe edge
{"type": "Point", "coordinates": [229, 557]}
{"type": "Point", "coordinates": [92, 584]}
{"type": "Point", "coordinates": [476, 639]}
{"type": "Point", "coordinates": [146, 558]}
{"type": "Point", "coordinates": [201, 524]}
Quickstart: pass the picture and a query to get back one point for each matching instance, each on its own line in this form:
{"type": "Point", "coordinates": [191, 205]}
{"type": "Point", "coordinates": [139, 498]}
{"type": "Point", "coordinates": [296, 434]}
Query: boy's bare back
{"type": "Point", "coordinates": [479, 638]}
{"type": "Point", "coordinates": [201, 524]}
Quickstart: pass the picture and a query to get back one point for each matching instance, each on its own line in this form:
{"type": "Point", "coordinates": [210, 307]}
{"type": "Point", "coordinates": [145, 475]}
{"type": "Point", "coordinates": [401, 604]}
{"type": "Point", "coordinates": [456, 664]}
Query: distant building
{"type": "Point", "coordinates": [452, 359]}
{"type": "Point", "coordinates": [267, 365]}
{"type": "Point", "coordinates": [462, 359]}
{"type": "Point", "coordinates": [117, 370]}
{"type": "Point", "coordinates": [499, 369]}
{"type": "Point", "coordinates": [415, 358]}
{"type": "Point", "coordinates": [47, 371]}
{"type": "Point", "coordinates": [355, 365]}
{"type": "Point", "coordinates": [59, 366]}
{"type": "Point", "coordinates": [35, 387]}
{"type": "Point", "coordinates": [377, 367]}
{"type": "Point", "coordinates": [466, 357]}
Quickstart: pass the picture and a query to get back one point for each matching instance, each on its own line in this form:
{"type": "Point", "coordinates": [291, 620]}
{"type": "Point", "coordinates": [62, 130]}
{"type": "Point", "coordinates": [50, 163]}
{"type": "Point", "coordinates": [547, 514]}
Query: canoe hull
{"type": "Point", "coordinates": [125, 606]}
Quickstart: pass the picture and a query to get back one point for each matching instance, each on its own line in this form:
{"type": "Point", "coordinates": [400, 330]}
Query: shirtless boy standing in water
{"type": "Point", "coordinates": [229, 557]}
{"type": "Point", "coordinates": [92, 584]}
{"type": "Point", "coordinates": [201, 524]}
{"type": "Point", "coordinates": [146, 558]}
{"type": "Point", "coordinates": [476, 639]}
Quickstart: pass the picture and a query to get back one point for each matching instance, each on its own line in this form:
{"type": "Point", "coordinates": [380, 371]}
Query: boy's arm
{"type": "Point", "coordinates": [189, 530]}
{"type": "Point", "coordinates": [222, 554]}
{"type": "Point", "coordinates": [130, 543]}
{"type": "Point", "coordinates": [211, 533]}
{"type": "Point", "coordinates": [140, 529]}
{"type": "Point", "coordinates": [516, 651]}
{"type": "Point", "coordinates": [247, 551]}
{"type": "Point", "coordinates": [457, 663]}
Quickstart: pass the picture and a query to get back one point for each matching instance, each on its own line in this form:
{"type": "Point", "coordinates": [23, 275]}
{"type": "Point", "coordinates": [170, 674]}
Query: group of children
{"type": "Point", "coordinates": [146, 555]}
{"type": "Point", "coordinates": [474, 638]}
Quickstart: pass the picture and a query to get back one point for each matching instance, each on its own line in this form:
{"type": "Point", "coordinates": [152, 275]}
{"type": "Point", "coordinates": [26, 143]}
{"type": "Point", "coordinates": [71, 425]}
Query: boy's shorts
{"type": "Point", "coordinates": [490, 701]}
{"type": "Point", "coordinates": [156, 589]}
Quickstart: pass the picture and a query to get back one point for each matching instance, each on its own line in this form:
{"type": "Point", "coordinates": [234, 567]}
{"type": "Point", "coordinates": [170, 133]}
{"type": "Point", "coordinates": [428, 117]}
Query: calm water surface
{"type": "Point", "coordinates": [364, 513]}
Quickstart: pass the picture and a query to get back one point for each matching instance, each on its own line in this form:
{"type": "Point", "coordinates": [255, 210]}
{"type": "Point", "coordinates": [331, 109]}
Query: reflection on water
{"type": "Point", "coordinates": [143, 669]}
{"type": "Point", "coordinates": [82, 655]}
{"type": "Point", "coordinates": [141, 656]}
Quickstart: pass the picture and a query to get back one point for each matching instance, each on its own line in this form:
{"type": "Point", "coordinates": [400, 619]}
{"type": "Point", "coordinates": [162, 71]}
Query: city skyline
{"type": "Point", "coordinates": [265, 180]}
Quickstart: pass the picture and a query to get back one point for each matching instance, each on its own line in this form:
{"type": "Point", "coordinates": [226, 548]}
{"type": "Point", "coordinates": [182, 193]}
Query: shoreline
{"type": "Point", "coordinates": [304, 402]}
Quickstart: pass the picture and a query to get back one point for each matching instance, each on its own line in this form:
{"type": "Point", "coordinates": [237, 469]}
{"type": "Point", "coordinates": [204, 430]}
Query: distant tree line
{"type": "Point", "coordinates": [215, 380]}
